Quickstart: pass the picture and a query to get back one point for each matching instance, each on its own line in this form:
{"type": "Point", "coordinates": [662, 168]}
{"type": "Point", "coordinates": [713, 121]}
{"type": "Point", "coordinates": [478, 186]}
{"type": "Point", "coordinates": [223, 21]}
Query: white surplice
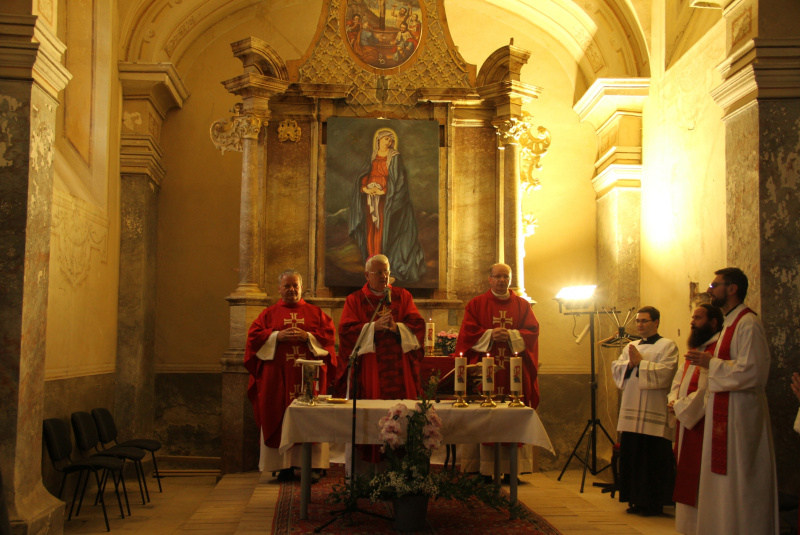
{"type": "Point", "coordinates": [644, 395]}
{"type": "Point", "coordinates": [689, 409]}
{"type": "Point", "coordinates": [745, 500]}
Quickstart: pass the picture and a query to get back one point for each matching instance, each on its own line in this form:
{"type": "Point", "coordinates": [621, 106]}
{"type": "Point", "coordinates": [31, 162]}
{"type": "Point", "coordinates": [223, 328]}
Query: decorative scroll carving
{"type": "Point", "coordinates": [529, 224]}
{"type": "Point", "coordinates": [77, 231]}
{"type": "Point", "coordinates": [289, 130]}
{"type": "Point", "coordinates": [533, 147]}
{"type": "Point", "coordinates": [229, 136]}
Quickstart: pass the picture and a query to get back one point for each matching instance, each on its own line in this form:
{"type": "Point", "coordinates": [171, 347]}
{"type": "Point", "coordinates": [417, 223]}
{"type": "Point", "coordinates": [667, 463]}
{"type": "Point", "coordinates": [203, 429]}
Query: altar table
{"type": "Point", "coordinates": [331, 423]}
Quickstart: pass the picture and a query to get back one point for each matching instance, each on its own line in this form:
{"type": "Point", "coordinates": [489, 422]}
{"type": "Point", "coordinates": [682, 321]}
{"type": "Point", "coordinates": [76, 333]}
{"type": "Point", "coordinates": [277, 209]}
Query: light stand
{"type": "Point", "coordinates": [589, 308]}
{"type": "Point", "coordinates": [352, 505]}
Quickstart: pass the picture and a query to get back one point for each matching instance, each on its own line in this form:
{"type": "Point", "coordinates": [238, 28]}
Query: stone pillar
{"type": "Point", "coordinates": [149, 91]}
{"type": "Point", "coordinates": [760, 95]}
{"type": "Point", "coordinates": [498, 83]}
{"type": "Point", "coordinates": [614, 108]}
{"type": "Point", "coordinates": [265, 76]}
{"type": "Point", "coordinates": [31, 76]}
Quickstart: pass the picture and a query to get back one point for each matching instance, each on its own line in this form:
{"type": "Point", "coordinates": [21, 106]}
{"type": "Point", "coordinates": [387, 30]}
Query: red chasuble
{"type": "Point", "coordinates": [275, 383]}
{"type": "Point", "coordinates": [388, 373]}
{"type": "Point", "coordinates": [487, 312]}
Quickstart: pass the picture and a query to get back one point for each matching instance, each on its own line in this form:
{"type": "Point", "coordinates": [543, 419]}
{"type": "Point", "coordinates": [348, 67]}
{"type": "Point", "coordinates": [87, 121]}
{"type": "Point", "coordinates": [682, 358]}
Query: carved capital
{"type": "Point", "coordinates": [230, 136]}
{"type": "Point", "coordinates": [533, 146]}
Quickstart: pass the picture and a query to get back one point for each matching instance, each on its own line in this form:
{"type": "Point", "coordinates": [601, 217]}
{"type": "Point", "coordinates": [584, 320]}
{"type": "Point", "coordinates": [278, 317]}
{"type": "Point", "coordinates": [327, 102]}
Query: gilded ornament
{"type": "Point", "coordinates": [533, 146]}
{"type": "Point", "coordinates": [289, 130]}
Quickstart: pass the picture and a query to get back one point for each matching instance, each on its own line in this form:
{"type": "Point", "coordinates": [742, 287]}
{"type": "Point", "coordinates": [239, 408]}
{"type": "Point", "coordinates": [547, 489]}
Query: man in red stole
{"type": "Point", "coordinates": [290, 329]}
{"type": "Point", "coordinates": [738, 489]}
{"type": "Point", "coordinates": [687, 402]}
{"type": "Point", "coordinates": [503, 325]}
{"type": "Point", "coordinates": [391, 345]}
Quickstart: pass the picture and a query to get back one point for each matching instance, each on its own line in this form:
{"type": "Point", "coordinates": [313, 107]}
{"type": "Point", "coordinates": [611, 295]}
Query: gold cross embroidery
{"type": "Point", "coordinates": [500, 359]}
{"type": "Point", "coordinates": [294, 320]}
{"type": "Point", "coordinates": [295, 354]}
{"type": "Point", "coordinates": [502, 320]}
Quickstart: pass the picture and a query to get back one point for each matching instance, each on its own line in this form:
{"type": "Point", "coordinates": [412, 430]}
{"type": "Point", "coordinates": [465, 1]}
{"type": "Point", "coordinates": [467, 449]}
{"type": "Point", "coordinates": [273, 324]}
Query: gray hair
{"type": "Point", "coordinates": [376, 258]}
{"type": "Point", "coordinates": [499, 264]}
{"type": "Point", "coordinates": [289, 273]}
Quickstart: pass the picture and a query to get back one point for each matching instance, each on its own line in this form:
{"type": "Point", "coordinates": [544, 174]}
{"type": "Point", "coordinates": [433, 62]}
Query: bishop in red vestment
{"type": "Point", "coordinates": [290, 329]}
{"type": "Point", "coordinates": [501, 324]}
{"type": "Point", "coordinates": [391, 348]}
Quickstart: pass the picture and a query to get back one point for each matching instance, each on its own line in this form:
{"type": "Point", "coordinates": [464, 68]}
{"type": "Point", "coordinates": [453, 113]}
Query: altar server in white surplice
{"type": "Point", "coordinates": [738, 489]}
{"type": "Point", "coordinates": [644, 373]}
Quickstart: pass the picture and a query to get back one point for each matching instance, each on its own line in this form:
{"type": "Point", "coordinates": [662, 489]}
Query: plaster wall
{"type": "Point", "coordinates": [683, 185]}
{"type": "Point", "coordinates": [84, 261]}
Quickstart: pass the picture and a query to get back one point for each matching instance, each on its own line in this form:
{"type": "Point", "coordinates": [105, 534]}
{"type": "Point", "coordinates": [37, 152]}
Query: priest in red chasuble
{"type": "Point", "coordinates": [391, 347]}
{"type": "Point", "coordinates": [503, 325]}
{"type": "Point", "coordinates": [290, 329]}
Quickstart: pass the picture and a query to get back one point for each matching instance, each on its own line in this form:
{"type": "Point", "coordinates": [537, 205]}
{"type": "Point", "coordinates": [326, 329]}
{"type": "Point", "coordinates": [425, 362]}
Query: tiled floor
{"type": "Point", "coordinates": [235, 507]}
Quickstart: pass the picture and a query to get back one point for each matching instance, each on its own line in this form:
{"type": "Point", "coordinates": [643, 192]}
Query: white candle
{"type": "Point", "coordinates": [429, 338]}
{"type": "Point", "coordinates": [487, 367]}
{"type": "Point", "coordinates": [460, 383]}
{"type": "Point", "coordinates": [516, 374]}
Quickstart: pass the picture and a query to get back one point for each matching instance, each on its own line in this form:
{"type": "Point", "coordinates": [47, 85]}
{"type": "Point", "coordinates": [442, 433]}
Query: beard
{"type": "Point", "coordinates": [718, 302]}
{"type": "Point", "coordinates": [700, 335]}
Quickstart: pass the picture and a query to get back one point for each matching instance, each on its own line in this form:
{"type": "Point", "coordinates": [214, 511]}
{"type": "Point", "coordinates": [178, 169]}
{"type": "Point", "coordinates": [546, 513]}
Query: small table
{"type": "Point", "coordinates": [331, 423]}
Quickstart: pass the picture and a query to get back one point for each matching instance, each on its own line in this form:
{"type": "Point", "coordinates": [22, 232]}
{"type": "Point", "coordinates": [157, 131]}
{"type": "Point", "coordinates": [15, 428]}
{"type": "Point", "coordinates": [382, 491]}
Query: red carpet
{"type": "Point", "coordinates": [445, 517]}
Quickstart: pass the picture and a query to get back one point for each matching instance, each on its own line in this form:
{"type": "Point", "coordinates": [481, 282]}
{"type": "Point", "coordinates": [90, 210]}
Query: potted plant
{"type": "Point", "coordinates": [409, 438]}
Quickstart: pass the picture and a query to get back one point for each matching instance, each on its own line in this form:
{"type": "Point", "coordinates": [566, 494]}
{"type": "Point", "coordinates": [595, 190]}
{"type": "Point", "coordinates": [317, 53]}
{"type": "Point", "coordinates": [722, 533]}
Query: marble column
{"type": "Point", "coordinates": [149, 92]}
{"type": "Point", "coordinates": [614, 108]}
{"type": "Point", "coordinates": [760, 95]}
{"type": "Point", "coordinates": [264, 76]}
{"type": "Point", "coordinates": [31, 76]}
{"type": "Point", "coordinates": [513, 235]}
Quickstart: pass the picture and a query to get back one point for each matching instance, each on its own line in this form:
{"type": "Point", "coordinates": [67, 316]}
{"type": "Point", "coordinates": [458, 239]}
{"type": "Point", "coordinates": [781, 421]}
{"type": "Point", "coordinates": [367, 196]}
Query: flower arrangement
{"type": "Point", "coordinates": [409, 472]}
{"type": "Point", "coordinates": [446, 342]}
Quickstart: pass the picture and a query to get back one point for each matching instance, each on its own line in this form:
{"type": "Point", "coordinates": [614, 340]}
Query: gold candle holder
{"type": "Point", "coordinates": [460, 402]}
{"type": "Point", "coordinates": [487, 399]}
{"type": "Point", "coordinates": [515, 401]}
{"type": "Point", "coordinates": [429, 351]}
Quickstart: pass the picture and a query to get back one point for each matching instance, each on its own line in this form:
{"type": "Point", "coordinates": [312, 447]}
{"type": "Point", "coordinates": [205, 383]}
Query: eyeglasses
{"type": "Point", "coordinates": [500, 276]}
{"type": "Point", "coordinates": [715, 284]}
{"type": "Point", "coordinates": [643, 321]}
{"type": "Point", "coordinates": [385, 273]}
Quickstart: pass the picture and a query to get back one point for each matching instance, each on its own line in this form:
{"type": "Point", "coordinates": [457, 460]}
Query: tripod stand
{"type": "Point", "coordinates": [352, 505]}
{"type": "Point", "coordinates": [594, 423]}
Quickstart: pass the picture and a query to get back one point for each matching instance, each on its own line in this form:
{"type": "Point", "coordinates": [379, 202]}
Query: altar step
{"type": "Point", "coordinates": [240, 504]}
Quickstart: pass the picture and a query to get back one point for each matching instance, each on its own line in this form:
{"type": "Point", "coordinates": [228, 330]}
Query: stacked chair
{"type": "Point", "coordinates": [108, 433]}
{"type": "Point", "coordinates": [88, 440]}
{"type": "Point", "coordinates": [59, 448]}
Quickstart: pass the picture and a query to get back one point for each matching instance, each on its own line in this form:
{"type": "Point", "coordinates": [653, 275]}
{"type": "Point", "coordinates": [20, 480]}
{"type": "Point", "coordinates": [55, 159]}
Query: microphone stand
{"type": "Point", "coordinates": [352, 365]}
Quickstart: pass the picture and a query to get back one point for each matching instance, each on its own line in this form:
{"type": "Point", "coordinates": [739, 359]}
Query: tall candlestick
{"type": "Point", "coordinates": [487, 368]}
{"type": "Point", "coordinates": [516, 374]}
{"type": "Point", "coordinates": [430, 340]}
{"type": "Point", "coordinates": [460, 383]}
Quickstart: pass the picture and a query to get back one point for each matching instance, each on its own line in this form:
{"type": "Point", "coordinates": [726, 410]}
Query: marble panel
{"type": "Point", "coordinates": [188, 413]}
{"type": "Point", "coordinates": [136, 317]}
{"type": "Point", "coordinates": [474, 215]}
{"type": "Point", "coordinates": [779, 234]}
{"type": "Point", "coordinates": [565, 408]}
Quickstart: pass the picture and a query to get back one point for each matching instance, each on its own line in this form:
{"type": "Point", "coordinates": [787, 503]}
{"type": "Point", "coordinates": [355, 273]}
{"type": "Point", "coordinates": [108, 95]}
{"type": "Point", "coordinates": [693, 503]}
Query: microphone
{"type": "Point", "coordinates": [387, 295]}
